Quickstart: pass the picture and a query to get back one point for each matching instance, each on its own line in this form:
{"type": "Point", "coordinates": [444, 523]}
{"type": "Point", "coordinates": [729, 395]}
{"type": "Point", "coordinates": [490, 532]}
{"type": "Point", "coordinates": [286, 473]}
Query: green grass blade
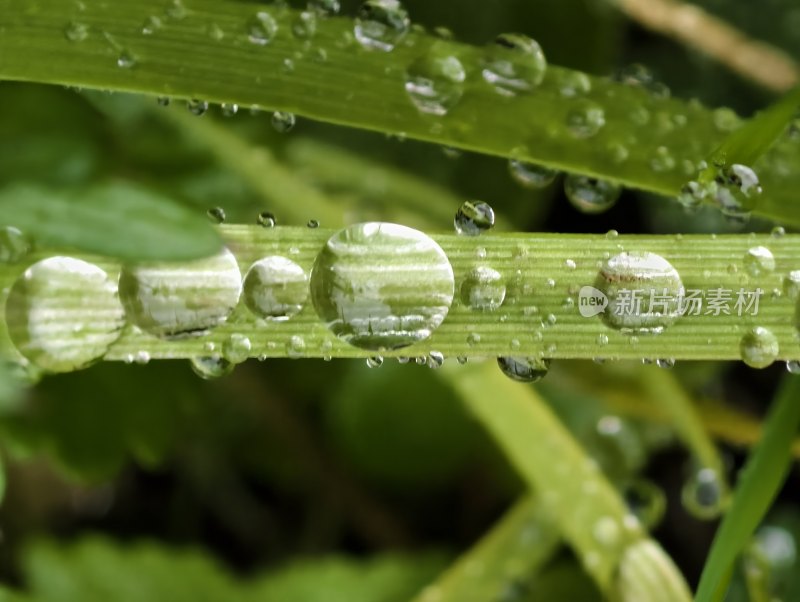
{"type": "Point", "coordinates": [116, 220]}
{"type": "Point", "coordinates": [757, 488]}
{"type": "Point", "coordinates": [507, 557]}
{"type": "Point", "coordinates": [611, 544]}
{"type": "Point", "coordinates": [203, 51]}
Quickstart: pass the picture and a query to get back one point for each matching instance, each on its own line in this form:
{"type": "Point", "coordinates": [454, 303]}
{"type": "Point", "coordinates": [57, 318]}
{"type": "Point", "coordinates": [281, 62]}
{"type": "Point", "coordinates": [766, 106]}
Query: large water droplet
{"type": "Point", "coordinates": [703, 494]}
{"type": "Point", "coordinates": [56, 338]}
{"type": "Point", "coordinates": [530, 175]}
{"type": "Point", "coordinates": [170, 300]}
{"type": "Point", "coordinates": [590, 195]}
{"type": "Point", "coordinates": [759, 347]}
{"type": "Point", "coordinates": [14, 245]}
{"type": "Point", "coordinates": [382, 286]}
{"type": "Point", "coordinates": [759, 260]}
{"type": "Point", "coordinates": [211, 367]}
{"type": "Point", "coordinates": [435, 82]}
{"type": "Point", "coordinates": [473, 218]}
{"type": "Point", "coordinates": [736, 190]}
{"type": "Point", "coordinates": [514, 64]}
{"type": "Point", "coordinates": [524, 369]}
{"type": "Point", "coordinates": [261, 28]}
{"type": "Point", "coordinates": [644, 292]}
{"type": "Point", "coordinates": [381, 24]}
{"type": "Point", "coordinates": [483, 289]}
{"type": "Point", "coordinates": [275, 288]}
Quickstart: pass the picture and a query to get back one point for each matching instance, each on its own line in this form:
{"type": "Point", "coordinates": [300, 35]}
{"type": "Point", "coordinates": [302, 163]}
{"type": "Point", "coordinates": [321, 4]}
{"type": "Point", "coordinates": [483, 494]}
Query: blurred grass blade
{"type": "Point", "coordinates": [100, 45]}
{"type": "Point", "coordinates": [610, 543]}
{"type": "Point", "coordinates": [761, 480]}
{"type": "Point", "coordinates": [751, 141]}
{"type": "Point", "coordinates": [117, 220]}
{"type": "Point", "coordinates": [502, 561]}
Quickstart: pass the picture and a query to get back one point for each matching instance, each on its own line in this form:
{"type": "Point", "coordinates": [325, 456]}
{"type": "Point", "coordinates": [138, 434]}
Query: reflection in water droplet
{"type": "Point", "coordinates": [759, 260]}
{"type": "Point", "coordinates": [483, 289]}
{"type": "Point", "coordinates": [266, 219]}
{"type": "Point", "coordinates": [283, 122]}
{"type": "Point", "coordinates": [381, 24]}
{"type": "Point", "coordinates": [173, 300]}
{"type": "Point", "coordinates": [524, 369]}
{"type": "Point", "coordinates": [216, 215]}
{"type": "Point", "coordinates": [435, 82]}
{"type": "Point", "coordinates": [197, 107]}
{"type": "Point", "coordinates": [375, 361]}
{"type": "Point", "coordinates": [59, 338]}
{"type": "Point", "coordinates": [759, 347]}
{"type": "Point", "coordinates": [261, 28]}
{"type": "Point", "coordinates": [382, 286]}
{"type": "Point", "coordinates": [236, 349]}
{"type": "Point", "coordinates": [643, 291]}
{"type": "Point", "coordinates": [585, 119]}
{"type": "Point", "coordinates": [14, 245]}
{"type": "Point", "coordinates": [435, 360]}
{"type": "Point", "coordinates": [211, 367]}
{"type": "Point", "coordinates": [590, 195]}
{"type": "Point", "coordinates": [793, 366]}
{"type": "Point", "coordinates": [473, 218]}
{"type": "Point", "coordinates": [530, 175]}
{"type": "Point", "coordinates": [514, 64]}
{"type": "Point", "coordinates": [275, 288]}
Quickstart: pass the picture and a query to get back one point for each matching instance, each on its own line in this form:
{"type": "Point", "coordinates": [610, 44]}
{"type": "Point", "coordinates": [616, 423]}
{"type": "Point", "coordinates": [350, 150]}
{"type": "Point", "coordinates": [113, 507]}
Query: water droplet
{"type": "Point", "coordinates": [126, 60]}
{"type": "Point", "coordinates": [325, 8]}
{"type": "Point", "coordinates": [646, 501]}
{"type": "Point", "coordinates": [643, 291]}
{"type": "Point", "coordinates": [703, 494]}
{"type": "Point", "coordinates": [381, 24]}
{"type": "Point", "coordinates": [778, 232]}
{"type": "Point", "coordinates": [524, 369]}
{"type": "Point", "coordinates": [295, 347]}
{"type": "Point", "coordinates": [666, 363]}
{"type": "Point", "coordinates": [283, 122]}
{"type": "Point", "coordinates": [574, 83]}
{"type": "Point", "coordinates": [736, 190]}
{"type": "Point", "coordinates": [793, 366]}
{"type": "Point", "coordinates": [590, 195]}
{"type": "Point", "coordinates": [585, 119]}
{"type": "Point", "coordinates": [435, 82]}
{"type": "Point", "coordinates": [266, 219]}
{"type": "Point", "coordinates": [151, 25]}
{"type": "Point", "coordinates": [759, 260]}
{"type": "Point", "coordinates": [770, 562]}
{"type": "Point", "coordinates": [236, 349]}
{"type": "Point", "coordinates": [435, 360]}
{"type": "Point", "coordinates": [791, 285]}
{"type": "Point", "coordinates": [197, 107]}
{"type": "Point", "coordinates": [483, 289]}
{"type": "Point", "coordinates": [76, 32]}
{"type": "Point", "coordinates": [216, 215]}
{"type": "Point", "coordinates": [474, 218]}
{"type": "Point", "coordinates": [229, 109]}
{"type": "Point", "coordinates": [261, 28]}
{"type": "Point", "coordinates": [375, 361]}
{"type": "Point", "coordinates": [275, 288]}
{"type": "Point", "coordinates": [35, 314]}
{"type": "Point", "coordinates": [639, 76]}
{"type": "Point", "coordinates": [514, 64]}
{"type": "Point", "coordinates": [382, 286]}
{"type": "Point", "coordinates": [530, 175]}
{"type": "Point", "coordinates": [170, 300]}
{"type": "Point", "coordinates": [211, 367]}
{"type": "Point", "coordinates": [312, 224]}
{"type": "Point", "coordinates": [304, 25]}
{"type": "Point", "coordinates": [14, 245]}
{"type": "Point", "coordinates": [759, 347]}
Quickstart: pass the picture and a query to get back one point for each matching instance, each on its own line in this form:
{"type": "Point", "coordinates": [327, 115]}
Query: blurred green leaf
{"type": "Point", "coordinates": [116, 219]}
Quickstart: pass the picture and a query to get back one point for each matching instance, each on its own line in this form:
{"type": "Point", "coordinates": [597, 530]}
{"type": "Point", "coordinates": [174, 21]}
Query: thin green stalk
{"type": "Point", "coordinates": [539, 316]}
{"type": "Point", "coordinates": [202, 50]}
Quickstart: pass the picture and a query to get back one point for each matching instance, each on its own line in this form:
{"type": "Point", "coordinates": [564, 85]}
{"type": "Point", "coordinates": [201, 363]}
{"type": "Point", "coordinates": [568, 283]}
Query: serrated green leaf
{"type": "Point", "coordinates": [118, 220]}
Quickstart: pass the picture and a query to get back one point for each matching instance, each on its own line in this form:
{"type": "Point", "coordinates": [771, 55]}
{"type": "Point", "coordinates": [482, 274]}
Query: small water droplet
{"type": "Point", "coordinates": [211, 367]}
{"type": "Point", "coordinates": [759, 347]}
{"type": "Point", "coordinates": [590, 195]}
{"type": "Point", "coordinates": [325, 8]}
{"type": "Point", "coordinates": [126, 60]}
{"type": "Point", "coordinates": [574, 83]}
{"type": "Point", "coordinates": [34, 314]}
{"type": "Point", "coordinates": [197, 107]}
{"type": "Point", "coordinates": [483, 289]}
{"type": "Point", "coordinates": [375, 308]}
{"type": "Point", "coordinates": [666, 363]}
{"type": "Point", "coordinates": [14, 245]}
{"type": "Point", "coordinates": [283, 122]}
{"type": "Point", "coordinates": [435, 82]}
{"type": "Point", "coordinates": [236, 349]}
{"type": "Point", "coordinates": [261, 28]}
{"type": "Point", "coordinates": [435, 360]}
{"type": "Point", "coordinates": [759, 260]}
{"type": "Point", "coordinates": [151, 25]}
{"type": "Point", "coordinates": [703, 494]}
{"type": "Point", "coordinates": [585, 119]}
{"type": "Point", "coordinates": [304, 25]}
{"type": "Point", "coordinates": [76, 31]}
{"type": "Point", "coordinates": [381, 24]}
{"type": "Point", "coordinates": [163, 101]}
{"type": "Point", "coordinates": [474, 218]}
{"type": "Point", "coordinates": [530, 175]}
{"type": "Point", "coordinates": [312, 224]}
{"type": "Point", "coordinates": [229, 109]}
{"type": "Point", "coordinates": [778, 232]}
{"type": "Point", "coordinates": [275, 288]}
{"type": "Point", "coordinates": [643, 291]}
{"type": "Point", "coordinates": [170, 300]}
{"type": "Point", "coordinates": [514, 64]}
{"type": "Point", "coordinates": [524, 369]}
{"type": "Point", "coordinates": [791, 285]}
{"type": "Point", "coordinates": [266, 219]}
{"type": "Point", "coordinates": [296, 347]}
{"type": "Point", "coordinates": [216, 215]}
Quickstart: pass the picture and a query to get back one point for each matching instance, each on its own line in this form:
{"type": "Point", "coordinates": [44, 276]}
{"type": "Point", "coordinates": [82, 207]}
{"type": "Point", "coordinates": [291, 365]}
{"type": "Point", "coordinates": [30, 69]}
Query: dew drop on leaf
{"type": "Point", "coordinates": [483, 289]}
{"type": "Point", "coordinates": [304, 25]}
{"type": "Point", "coordinates": [381, 24]}
{"type": "Point", "coordinates": [793, 366]}
{"type": "Point", "coordinates": [514, 64]}
{"type": "Point", "coordinates": [759, 347]}
{"type": "Point", "coordinates": [590, 195]}
{"type": "Point", "coordinates": [435, 82]}
{"type": "Point", "coordinates": [474, 218]}
{"type": "Point", "coordinates": [283, 121]}
{"type": "Point", "coordinates": [524, 369]}
{"type": "Point", "coordinates": [14, 245]}
{"type": "Point", "coordinates": [211, 367]}
{"type": "Point", "coordinates": [261, 28]}
{"type": "Point", "coordinates": [530, 175]}
{"type": "Point", "coordinates": [76, 31]}
{"type": "Point", "coordinates": [703, 494]}
{"type": "Point", "coordinates": [35, 312]}
{"type": "Point", "coordinates": [325, 8]}
{"type": "Point", "coordinates": [216, 215]}
{"type": "Point", "coordinates": [759, 260]}
{"type": "Point", "coordinates": [585, 119]}
{"type": "Point", "coordinates": [370, 306]}
{"type": "Point", "coordinates": [266, 219]}
{"type": "Point", "coordinates": [375, 361]}
{"type": "Point", "coordinates": [275, 288]}
{"type": "Point", "coordinates": [229, 109]}
{"type": "Point", "coordinates": [236, 348]}
{"type": "Point", "coordinates": [197, 107]}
